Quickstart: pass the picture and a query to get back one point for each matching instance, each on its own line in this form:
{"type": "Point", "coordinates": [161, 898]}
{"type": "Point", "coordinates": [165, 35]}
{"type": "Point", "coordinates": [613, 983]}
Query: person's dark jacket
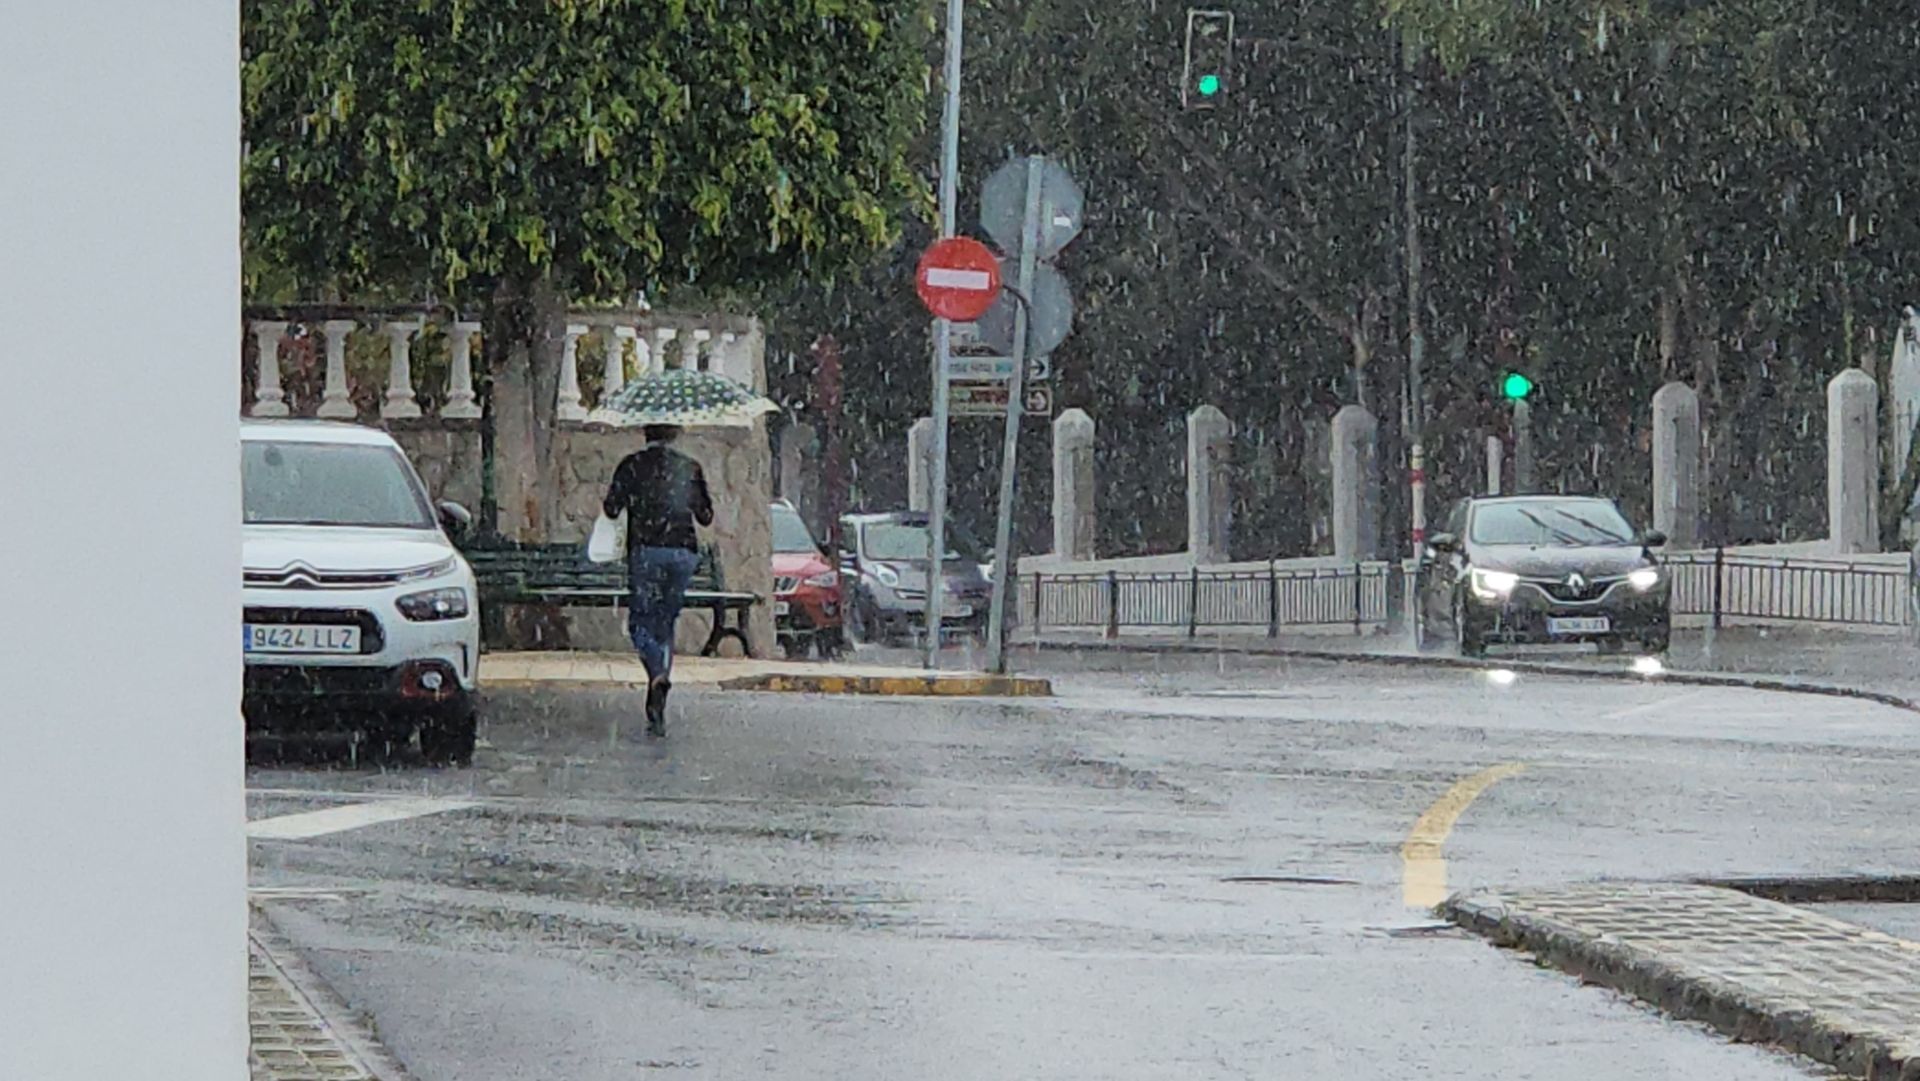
{"type": "Point", "coordinates": [663, 493]}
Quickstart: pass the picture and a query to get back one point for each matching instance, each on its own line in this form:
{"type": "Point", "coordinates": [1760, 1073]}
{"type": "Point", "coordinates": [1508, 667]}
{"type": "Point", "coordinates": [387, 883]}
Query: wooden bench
{"type": "Point", "coordinates": [511, 572]}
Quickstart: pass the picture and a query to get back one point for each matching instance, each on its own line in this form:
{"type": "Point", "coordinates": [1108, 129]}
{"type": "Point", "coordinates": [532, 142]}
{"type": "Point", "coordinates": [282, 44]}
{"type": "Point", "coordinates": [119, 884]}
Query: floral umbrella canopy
{"type": "Point", "coordinates": [687, 398]}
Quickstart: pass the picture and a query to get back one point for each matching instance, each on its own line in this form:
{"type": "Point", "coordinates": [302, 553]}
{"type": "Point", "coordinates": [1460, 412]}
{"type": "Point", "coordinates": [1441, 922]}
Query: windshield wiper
{"type": "Point", "coordinates": [1565, 537]}
{"type": "Point", "coordinates": [1603, 531]}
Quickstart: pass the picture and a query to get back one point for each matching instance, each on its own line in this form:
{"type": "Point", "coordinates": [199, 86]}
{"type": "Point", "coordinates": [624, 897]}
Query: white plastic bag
{"type": "Point", "coordinates": [608, 540]}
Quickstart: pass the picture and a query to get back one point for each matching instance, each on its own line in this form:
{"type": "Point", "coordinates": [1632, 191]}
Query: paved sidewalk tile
{"type": "Point", "coordinates": [1759, 971]}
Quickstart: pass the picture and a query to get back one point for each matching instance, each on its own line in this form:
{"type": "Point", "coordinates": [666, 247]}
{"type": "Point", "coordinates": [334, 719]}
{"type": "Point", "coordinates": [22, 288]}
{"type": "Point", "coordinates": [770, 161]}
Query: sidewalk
{"type": "Point", "coordinates": [750, 674]}
{"type": "Point", "coordinates": [1756, 970]}
{"type": "Point", "coordinates": [1873, 664]}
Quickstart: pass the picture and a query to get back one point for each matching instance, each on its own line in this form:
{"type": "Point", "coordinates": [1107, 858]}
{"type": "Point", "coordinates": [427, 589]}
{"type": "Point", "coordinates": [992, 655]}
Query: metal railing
{"type": "Point", "coordinates": [1722, 585]}
{"type": "Point", "coordinates": [1719, 585]}
{"type": "Point", "coordinates": [1187, 601]}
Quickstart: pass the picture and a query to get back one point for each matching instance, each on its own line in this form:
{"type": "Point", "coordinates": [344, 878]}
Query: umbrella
{"type": "Point", "coordinates": [684, 397]}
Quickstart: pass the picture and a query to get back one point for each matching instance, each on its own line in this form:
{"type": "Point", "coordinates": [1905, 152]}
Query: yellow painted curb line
{"type": "Point", "coordinates": [955, 686]}
{"type": "Point", "coordinates": [1423, 873]}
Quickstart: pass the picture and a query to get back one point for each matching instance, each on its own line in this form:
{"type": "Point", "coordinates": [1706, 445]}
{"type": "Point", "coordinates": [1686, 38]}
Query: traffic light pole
{"type": "Point", "coordinates": [943, 338]}
{"type": "Point", "coordinates": [1416, 329]}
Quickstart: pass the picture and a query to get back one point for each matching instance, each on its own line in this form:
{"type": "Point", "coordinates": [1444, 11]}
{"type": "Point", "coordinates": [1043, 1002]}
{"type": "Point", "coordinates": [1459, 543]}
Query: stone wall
{"type": "Point", "coordinates": [448, 458]}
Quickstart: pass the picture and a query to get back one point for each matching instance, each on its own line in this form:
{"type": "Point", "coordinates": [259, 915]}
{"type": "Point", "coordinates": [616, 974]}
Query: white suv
{"type": "Point", "coordinates": [358, 606]}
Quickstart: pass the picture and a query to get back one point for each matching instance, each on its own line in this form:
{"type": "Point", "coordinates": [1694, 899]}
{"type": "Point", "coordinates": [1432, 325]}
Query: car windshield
{"type": "Point", "coordinates": [790, 532]}
{"type": "Point", "coordinates": [903, 542]}
{"type": "Point", "coordinates": [330, 484]}
{"type": "Point", "coordinates": [1544, 524]}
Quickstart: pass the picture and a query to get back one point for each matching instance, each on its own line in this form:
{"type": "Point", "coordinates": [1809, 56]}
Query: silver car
{"type": "Point", "coordinates": [883, 566]}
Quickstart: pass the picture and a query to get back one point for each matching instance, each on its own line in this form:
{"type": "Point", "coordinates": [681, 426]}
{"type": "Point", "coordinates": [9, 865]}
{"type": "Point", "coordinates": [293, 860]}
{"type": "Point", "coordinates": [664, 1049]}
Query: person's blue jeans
{"type": "Point", "coordinates": [659, 578]}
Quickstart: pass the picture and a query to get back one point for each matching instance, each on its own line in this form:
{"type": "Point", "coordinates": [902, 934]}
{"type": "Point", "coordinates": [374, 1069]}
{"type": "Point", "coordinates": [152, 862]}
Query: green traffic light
{"type": "Point", "coordinates": [1209, 85]}
{"type": "Point", "coordinates": [1516, 386]}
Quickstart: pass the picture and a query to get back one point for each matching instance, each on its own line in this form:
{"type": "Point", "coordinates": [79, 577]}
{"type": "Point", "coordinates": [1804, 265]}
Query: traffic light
{"type": "Point", "coordinates": [1516, 386]}
{"type": "Point", "coordinates": [1209, 58]}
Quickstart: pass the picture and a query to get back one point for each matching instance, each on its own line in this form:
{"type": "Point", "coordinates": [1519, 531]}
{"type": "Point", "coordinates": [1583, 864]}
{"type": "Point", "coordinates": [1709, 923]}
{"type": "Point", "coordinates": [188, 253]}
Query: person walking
{"type": "Point", "coordinates": [663, 494]}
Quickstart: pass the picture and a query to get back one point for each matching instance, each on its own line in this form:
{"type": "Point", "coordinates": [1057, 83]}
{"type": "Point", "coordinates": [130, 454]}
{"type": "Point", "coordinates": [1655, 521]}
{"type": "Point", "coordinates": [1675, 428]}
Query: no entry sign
{"type": "Point", "coordinates": [959, 278]}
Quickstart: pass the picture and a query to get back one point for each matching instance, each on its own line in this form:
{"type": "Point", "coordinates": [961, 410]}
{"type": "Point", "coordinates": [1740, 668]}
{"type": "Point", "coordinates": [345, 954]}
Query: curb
{"type": "Point", "coordinates": [1538, 668]}
{"type": "Point", "coordinates": [1691, 996]}
{"type": "Point", "coordinates": [1824, 889]}
{"type": "Point", "coordinates": [922, 685]}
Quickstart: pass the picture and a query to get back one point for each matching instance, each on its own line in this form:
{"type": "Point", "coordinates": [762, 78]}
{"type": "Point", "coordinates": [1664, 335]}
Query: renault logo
{"type": "Point", "coordinates": [1576, 583]}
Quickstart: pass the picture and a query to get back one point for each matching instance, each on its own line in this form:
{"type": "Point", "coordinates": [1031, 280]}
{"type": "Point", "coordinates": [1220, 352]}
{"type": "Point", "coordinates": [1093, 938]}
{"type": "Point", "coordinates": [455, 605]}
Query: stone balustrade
{"type": "Point", "coordinates": [638, 342]}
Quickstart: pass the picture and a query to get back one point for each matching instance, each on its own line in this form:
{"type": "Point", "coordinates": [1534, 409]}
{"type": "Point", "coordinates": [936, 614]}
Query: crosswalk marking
{"type": "Point", "coordinates": [309, 824]}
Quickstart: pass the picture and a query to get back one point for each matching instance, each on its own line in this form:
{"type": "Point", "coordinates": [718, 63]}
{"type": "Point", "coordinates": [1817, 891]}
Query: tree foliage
{"type": "Point", "coordinates": [605, 146]}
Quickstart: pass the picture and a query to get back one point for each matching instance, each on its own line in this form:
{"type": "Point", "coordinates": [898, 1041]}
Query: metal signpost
{"type": "Point", "coordinates": [1048, 222]}
{"type": "Point", "coordinates": [942, 329]}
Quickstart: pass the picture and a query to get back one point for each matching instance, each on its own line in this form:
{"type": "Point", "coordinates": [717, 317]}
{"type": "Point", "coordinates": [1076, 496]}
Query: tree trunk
{"type": "Point", "coordinates": [524, 335]}
{"type": "Point", "coordinates": [524, 331]}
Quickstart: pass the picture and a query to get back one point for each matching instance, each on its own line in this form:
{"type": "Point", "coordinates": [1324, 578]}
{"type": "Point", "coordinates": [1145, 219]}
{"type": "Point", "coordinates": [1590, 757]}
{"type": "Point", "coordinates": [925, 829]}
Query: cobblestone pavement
{"type": "Point", "coordinates": [1759, 971]}
{"type": "Point", "coordinates": [297, 1030]}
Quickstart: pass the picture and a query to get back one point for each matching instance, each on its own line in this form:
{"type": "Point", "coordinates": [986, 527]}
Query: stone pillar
{"type": "Point", "coordinates": [1209, 484]}
{"type": "Point", "coordinates": [700, 350]}
{"type": "Point", "coordinates": [337, 402]}
{"type": "Point", "coordinates": [1074, 515]}
{"type": "Point", "coordinates": [567, 405]}
{"type": "Point", "coordinates": [663, 336]}
{"type": "Point", "coordinates": [649, 359]}
{"type": "Point", "coordinates": [613, 371]}
{"type": "Point", "coordinates": [795, 444]}
{"type": "Point", "coordinates": [1356, 486]}
{"type": "Point", "coordinates": [727, 360]}
{"type": "Point", "coordinates": [400, 403]}
{"type": "Point", "coordinates": [920, 465]}
{"type": "Point", "coordinates": [1522, 448]}
{"type": "Point", "coordinates": [461, 403]}
{"type": "Point", "coordinates": [1853, 463]}
{"type": "Point", "coordinates": [269, 400]}
{"type": "Point", "coordinates": [1676, 465]}
{"type": "Point", "coordinates": [1903, 388]}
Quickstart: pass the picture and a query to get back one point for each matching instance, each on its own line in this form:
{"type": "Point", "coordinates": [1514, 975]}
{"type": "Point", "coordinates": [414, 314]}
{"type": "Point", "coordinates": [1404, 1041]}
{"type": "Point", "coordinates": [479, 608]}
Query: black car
{"type": "Point", "coordinates": [1542, 569]}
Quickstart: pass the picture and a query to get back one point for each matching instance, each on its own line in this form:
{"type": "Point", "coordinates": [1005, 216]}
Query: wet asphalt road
{"type": "Point", "coordinates": [800, 887]}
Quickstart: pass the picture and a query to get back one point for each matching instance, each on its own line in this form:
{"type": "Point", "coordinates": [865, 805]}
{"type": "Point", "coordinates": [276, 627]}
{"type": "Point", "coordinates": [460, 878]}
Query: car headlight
{"type": "Point", "coordinates": [1488, 585]}
{"type": "Point", "coordinates": [825, 580]}
{"type": "Point", "coordinates": [887, 575]}
{"type": "Point", "coordinates": [431, 570]}
{"type": "Point", "coordinates": [1644, 579]}
{"type": "Point", "coordinates": [434, 604]}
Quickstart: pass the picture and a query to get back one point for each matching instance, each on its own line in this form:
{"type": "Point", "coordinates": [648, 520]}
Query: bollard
{"type": "Point", "coordinates": [1113, 605]}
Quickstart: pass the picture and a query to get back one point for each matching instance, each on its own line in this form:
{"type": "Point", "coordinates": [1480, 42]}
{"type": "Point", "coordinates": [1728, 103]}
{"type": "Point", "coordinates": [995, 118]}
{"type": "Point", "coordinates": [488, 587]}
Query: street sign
{"type": "Point", "coordinates": [997, 369]}
{"type": "Point", "coordinates": [1003, 207]}
{"type": "Point", "coordinates": [1039, 400]}
{"type": "Point", "coordinates": [969, 398]}
{"type": "Point", "coordinates": [1047, 326]}
{"type": "Point", "coordinates": [958, 278]}
{"type": "Point", "coordinates": [976, 399]}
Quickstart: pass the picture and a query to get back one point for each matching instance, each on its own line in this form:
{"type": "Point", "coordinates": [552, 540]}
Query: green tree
{"type": "Point", "coordinates": [516, 155]}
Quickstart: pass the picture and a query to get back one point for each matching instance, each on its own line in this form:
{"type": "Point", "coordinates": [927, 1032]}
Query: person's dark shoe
{"type": "Point", "coordinates": [657, 708]}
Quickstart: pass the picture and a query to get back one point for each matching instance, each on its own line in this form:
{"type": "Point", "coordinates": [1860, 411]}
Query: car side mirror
{"type": "Point", "coordinates": [1444, 542]}
{"type": "Point", "coordinates": [454, 518]}
{"type": "Point", "coordinates": [1653, 538]}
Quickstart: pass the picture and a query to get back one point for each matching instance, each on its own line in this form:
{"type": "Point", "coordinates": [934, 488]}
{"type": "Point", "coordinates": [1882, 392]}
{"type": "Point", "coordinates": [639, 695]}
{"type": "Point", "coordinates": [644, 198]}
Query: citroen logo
{"type": "Point", "coordinates": [1575, 582]}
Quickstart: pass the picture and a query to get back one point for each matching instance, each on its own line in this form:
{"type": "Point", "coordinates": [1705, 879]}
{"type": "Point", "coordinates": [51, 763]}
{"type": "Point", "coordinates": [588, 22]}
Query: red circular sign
{"type": "Point", "coordinates": [959, 279]}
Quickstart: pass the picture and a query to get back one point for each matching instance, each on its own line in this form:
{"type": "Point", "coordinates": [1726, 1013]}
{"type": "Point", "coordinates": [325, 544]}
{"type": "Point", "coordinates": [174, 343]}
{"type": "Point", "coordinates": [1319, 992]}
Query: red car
{"type": "Point", "coordinates": [806, 589]}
